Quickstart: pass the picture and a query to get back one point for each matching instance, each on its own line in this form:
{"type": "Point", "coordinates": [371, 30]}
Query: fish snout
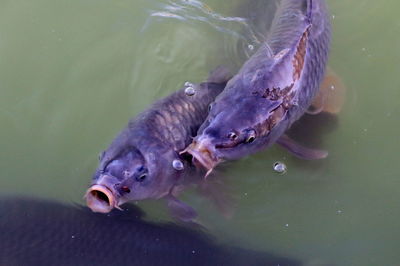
{"type": "Point", "coordinates": [101, 197]}
{"type": "Point", "coordinates": [204, 154]}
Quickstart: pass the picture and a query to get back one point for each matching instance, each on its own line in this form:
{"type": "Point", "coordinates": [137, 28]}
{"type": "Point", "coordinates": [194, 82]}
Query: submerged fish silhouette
{"type": "Point", "coordinates": [42, 232]}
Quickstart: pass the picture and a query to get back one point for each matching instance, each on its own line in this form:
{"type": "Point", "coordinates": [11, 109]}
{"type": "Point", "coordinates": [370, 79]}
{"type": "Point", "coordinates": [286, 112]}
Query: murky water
{"type": "Point", "coordinates": [73, 72]}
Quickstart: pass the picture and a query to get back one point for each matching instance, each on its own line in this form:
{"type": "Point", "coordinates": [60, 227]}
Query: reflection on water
{"type": "Point", "coordinates": [73, 73]}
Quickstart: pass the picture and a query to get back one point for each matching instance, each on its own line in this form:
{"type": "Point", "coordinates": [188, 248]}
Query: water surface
{"type": "Point", "coordinates": [73, 72]}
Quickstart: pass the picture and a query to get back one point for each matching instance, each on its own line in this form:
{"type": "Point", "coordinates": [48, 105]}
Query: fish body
{"type": "Point", "coordinates": [272, 89]}
{"type": "Point", "coordinates": [143, 161]}
{"type": "Point", "coordinates": [42, 232]}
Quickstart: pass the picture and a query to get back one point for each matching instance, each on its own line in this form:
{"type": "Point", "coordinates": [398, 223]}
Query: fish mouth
{"type": "Point", "coordinates": [203, 155]}
{"type": "Point", "coordinates": [100, 198]}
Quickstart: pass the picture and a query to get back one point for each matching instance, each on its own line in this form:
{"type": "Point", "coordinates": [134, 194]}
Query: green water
{"type": "Point", "coordinates": [73, 72]}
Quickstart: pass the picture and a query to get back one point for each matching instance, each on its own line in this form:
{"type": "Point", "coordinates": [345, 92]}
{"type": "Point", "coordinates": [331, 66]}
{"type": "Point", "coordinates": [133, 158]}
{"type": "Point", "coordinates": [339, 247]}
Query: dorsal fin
{"type": "Point", "coordinates": [220, 75]}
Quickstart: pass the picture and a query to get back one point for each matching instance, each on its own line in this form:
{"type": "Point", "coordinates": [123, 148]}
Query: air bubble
{"type": "Point", "coordinates": [190, 91]}
{"type": "Point", "coordinates": [280, 167]}
{"type": "Point", "coordinates": [178, 165]}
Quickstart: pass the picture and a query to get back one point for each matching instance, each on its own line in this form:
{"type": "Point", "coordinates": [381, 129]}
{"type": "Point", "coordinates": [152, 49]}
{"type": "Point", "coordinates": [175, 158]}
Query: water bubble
{"type": "Point", "coordinates": [190, 91]}
{"type": "Point", "coordinates": [178, 165]}
{"type": "Point", "coordinates": [280, 167]}
{"type": "Point", "coordinates": [188, 84]}
{"type": "Point", "coordinates": [251, 47]}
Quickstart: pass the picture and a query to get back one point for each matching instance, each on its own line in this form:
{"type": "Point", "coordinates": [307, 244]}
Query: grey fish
{"type": "Point", "coordinates": [272, 90]}
{"type": "Point", "coordinates": [144, 162]}
{"type": "Point", "coordinates": [40, 232]}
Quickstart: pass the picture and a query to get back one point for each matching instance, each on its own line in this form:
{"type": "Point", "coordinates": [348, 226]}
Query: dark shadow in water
{"type": "Point", "coordinates": [40, 232]}
{"type": "Point", "coordinates": [310, 130]}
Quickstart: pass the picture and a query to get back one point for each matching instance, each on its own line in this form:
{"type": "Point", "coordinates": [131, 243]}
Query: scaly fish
{"type": "Point", "coordinates": [271, 91]}
{"type": "Point", "coordinates": [144, 162]}
{"type": "Point", "coordinates": [42, 232]}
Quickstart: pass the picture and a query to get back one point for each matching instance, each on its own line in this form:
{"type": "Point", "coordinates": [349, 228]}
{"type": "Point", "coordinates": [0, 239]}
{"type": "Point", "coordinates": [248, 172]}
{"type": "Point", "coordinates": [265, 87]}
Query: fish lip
{"type": "Point", "coordinates": [203, 155]}
{"type": "Point", "coordinates": [100, 198]}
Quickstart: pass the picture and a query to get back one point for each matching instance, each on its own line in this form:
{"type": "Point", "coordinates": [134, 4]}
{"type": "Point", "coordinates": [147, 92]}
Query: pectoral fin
{"type": "Point", "coordinates": [217, 192]}
{"type": "Point", "coordinates": [180, 210]}
{"type": "Point", "coordinates": [331, 95]}
{"type": "Point", "coordinates": [301, 151]}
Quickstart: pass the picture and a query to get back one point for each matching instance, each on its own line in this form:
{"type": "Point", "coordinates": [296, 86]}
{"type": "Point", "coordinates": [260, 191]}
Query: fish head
{"type": "Point", "coordinates": [132, 175]}
{"type": "Point", "coordinates": [245, 116]}
{"type": "Point", "coordinates": [234, 132]}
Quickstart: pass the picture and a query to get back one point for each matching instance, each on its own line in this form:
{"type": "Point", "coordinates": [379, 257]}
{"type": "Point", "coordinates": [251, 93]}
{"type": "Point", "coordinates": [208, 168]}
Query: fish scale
{"type": "Point", "coordinates": [273, 88]}
{"type": "Point", "coordinates": [144, 160]}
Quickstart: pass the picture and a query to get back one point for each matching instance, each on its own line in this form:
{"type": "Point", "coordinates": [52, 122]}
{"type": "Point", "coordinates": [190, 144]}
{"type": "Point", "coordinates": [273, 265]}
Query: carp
{"type": "Point", "coordinates": [272, 90]}
{"type": "Point", "coordinates": [144, 161]}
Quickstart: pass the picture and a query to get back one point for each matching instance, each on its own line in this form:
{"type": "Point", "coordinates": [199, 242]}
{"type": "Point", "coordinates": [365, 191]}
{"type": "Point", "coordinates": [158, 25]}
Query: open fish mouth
{"type": "Point", "coordinates": [100, 198]}
{"type": "Point", "coordinates": [203, 156]}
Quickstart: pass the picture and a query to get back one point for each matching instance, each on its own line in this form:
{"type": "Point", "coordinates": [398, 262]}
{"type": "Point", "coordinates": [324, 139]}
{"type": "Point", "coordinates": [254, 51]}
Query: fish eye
{"type": "Point", "coordinates": [232, 135]}
{"type": "Point", "coordinates": [141, 178]}
{"type": "Point", "coordinates": [251, 135]}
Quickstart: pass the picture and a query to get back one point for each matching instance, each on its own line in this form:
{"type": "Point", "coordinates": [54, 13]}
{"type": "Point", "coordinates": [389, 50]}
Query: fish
{"type": "Point", "coordinates": [36, 231]}
{"type": "Point", "coordinates": [144, 160]}
{"type": "Point", "coordinates": [272, 90]}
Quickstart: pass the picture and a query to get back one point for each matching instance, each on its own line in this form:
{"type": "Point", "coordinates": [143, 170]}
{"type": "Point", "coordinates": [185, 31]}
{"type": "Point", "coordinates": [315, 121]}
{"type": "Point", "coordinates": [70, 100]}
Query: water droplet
{"type": "Point", "coordinates": [286, 225]}
{"type": "Point", "coordinates": [339, 211]}
{"type": "Point", "coordinates": [190, 91]}
{"type": "Point", "coordinates": [280, 167]}
{"type": "Point", "coordinates": [178, 165]}
{"type": "Point", "coordinates": [193, 251]}
{"type": "Point", "coordinates": [251, 47]}
{"type": "Point", "coordinates": [188, 84]}
{"type": "Point", "coordinates": [72, 236]}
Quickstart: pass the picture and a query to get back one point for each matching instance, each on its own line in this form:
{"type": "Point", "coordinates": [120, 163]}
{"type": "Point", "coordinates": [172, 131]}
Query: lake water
{"type": "Point", "coordinates": [73, 72]}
